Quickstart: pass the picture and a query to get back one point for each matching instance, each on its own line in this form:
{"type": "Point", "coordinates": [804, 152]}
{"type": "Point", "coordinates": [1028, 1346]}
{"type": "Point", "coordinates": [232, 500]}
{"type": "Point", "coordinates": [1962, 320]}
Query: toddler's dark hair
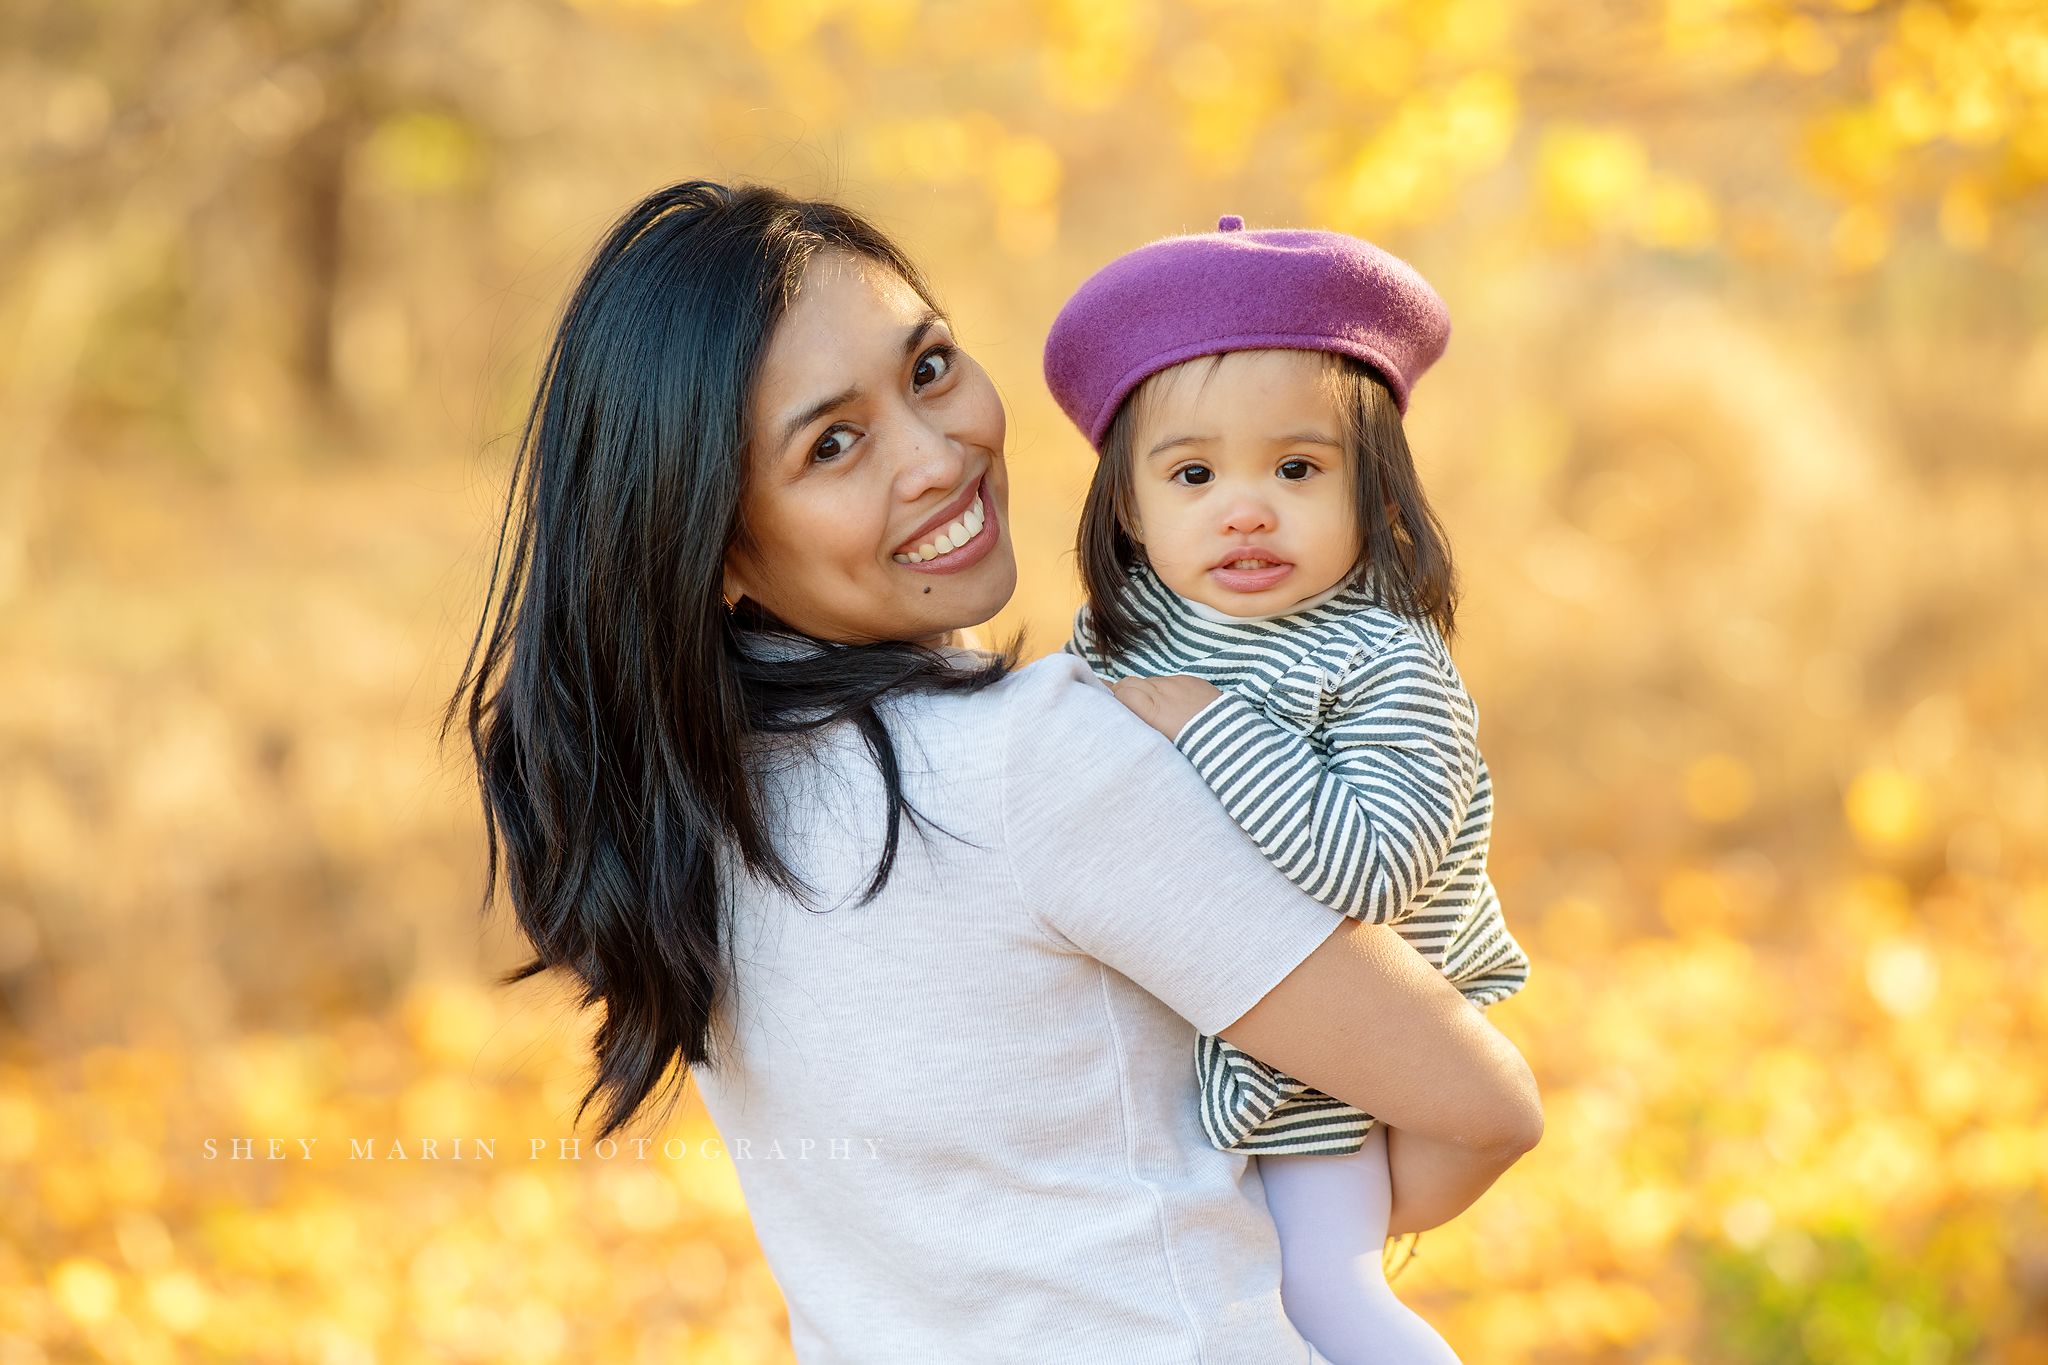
{"type": "Point", "coordinates": [1403, 548]}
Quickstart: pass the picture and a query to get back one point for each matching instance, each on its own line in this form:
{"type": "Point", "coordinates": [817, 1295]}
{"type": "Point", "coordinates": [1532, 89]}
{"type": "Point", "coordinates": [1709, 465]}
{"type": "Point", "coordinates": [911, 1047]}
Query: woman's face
{"type": "Point", "coordinates": [877, 493]}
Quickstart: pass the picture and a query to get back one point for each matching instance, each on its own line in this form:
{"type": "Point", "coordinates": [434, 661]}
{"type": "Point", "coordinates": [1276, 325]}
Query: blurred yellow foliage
{"type": "Point", "coordinates": [85, 1290]}
{"type": "Point", "coordinates": [1436, 140]}
{"type": "Point", "coordinates": [1737, 441]}
{"type": "Point", "coordinates": [1094, 47]}
{"type": "Point", "coordinates": [1718, 787]}
{"type": "Point", "coordinates": [1591, 174]}
{"type": "Point", "coordinates": [422, 153]}
{"type": "Point", "coordinates": [1887, 808]}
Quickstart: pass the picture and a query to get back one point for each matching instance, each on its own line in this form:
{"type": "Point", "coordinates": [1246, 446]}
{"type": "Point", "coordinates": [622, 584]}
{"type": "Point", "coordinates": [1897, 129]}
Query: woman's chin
{"type": "Point", "coordinates": [974, 597]}
{"type": "Point", "coordinates": [957, 601]}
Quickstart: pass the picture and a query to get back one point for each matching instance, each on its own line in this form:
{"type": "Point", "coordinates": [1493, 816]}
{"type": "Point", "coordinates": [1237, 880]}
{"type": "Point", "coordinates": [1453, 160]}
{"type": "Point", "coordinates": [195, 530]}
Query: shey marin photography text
{"type": "Point", "coordinates": [542, 1149]}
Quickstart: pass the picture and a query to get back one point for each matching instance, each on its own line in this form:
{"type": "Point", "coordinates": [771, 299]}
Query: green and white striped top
{"type": "Point", "coordinates": [1346, 746]}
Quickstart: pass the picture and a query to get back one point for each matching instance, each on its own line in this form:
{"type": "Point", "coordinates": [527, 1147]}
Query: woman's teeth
{"type": "Point", "coordinates": [951, 538]}
{"type": "Point", "coordinates": [1249, 564]}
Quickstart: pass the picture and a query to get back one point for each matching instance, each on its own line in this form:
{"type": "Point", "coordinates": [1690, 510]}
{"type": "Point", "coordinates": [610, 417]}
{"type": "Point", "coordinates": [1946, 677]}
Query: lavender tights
{"type": "Point", "coordinates": [1332, 1215]}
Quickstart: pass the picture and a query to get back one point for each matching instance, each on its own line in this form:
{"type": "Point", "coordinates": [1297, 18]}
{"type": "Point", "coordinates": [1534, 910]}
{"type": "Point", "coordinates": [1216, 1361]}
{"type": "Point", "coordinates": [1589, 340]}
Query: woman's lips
{"type": "Point", "coordinates": [924, 535]}
{"type": "Point", "coordinates": [1260, 572]}
{"type": "Point", "coordinates": [977, 519]}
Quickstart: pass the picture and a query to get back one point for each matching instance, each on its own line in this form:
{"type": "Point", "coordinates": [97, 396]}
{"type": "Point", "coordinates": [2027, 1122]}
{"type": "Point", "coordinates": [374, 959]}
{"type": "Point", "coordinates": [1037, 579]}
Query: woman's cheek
{"type": "Point", "coordinates": [999, 485]}
{"type": "Point", "coordinates": [848, 522]}
{"type": "Point", "coordinates": [988, 424]}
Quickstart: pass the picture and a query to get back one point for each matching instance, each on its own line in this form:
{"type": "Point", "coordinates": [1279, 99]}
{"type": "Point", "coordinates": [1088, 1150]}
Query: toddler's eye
{"type": "Point", "coordinates": [932, 366]}
{"type": "Point", "coordinates": [1296, 470]}
{"type": "Point", "coordinates": [833, 444]}
{"type": "Point", "coordinates": [1194, 475]}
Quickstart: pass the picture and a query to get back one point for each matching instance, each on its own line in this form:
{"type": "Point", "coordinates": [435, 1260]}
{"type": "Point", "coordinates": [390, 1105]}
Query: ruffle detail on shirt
{"type": "Point", "coordinates": [1305, 692]}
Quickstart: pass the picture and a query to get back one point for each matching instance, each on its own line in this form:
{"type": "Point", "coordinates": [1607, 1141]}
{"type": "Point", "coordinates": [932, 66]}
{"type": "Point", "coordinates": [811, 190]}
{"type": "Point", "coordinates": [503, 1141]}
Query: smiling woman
{"type": "Point", "coordinates": [610, 687]}
{"type": "Point", "coordinates": [879, 504]}
{"type": "Point", "coordinates": [761, 485]}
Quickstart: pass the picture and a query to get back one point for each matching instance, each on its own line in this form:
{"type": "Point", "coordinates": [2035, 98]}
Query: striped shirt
{"type": "Point", "coordinates": [1346, 746]}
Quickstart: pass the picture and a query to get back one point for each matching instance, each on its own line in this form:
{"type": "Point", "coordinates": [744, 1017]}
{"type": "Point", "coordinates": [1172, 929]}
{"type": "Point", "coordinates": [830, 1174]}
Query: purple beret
{"type": "Point", "coordinates": [1232, 290]}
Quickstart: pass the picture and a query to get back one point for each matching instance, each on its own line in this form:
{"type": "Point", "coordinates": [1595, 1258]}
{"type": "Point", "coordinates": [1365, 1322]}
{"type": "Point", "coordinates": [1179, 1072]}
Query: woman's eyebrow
{"type": "Point", "coordinates": [814, 412]}
{"type": "Point", "coordinates": [1314, 438]}
{"type": "Point", "coordinates": [912, 340]}
{"type": "Point", "coordinates": [932, 318]}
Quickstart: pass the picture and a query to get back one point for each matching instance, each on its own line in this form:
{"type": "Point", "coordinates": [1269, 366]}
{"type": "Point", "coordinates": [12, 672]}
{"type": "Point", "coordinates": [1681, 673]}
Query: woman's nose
{"type": "Point", "coordinates": [931, 459]}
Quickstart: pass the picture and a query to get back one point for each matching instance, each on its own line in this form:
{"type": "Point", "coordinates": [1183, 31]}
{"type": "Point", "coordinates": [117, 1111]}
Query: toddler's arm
{"type": "Point", "coordinates": [1362, 825]}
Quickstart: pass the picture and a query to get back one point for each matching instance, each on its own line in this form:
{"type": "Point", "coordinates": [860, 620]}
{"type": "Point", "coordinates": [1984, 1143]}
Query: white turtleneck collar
{"type": "Point", "coordinates": [1224, 618]}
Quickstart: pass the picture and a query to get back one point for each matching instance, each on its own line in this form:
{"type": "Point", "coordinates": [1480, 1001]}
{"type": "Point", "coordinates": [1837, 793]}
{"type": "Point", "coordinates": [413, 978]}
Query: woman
{"type": "Point", "coordinates": [934, 936]}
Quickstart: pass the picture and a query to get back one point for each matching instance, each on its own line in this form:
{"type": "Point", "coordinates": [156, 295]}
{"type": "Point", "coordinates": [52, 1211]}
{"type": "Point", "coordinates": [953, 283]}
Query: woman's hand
{"type": "Point", "coordinates": [1166, 704]}
{"type": "Point", "coordinates": [1365, 1019]}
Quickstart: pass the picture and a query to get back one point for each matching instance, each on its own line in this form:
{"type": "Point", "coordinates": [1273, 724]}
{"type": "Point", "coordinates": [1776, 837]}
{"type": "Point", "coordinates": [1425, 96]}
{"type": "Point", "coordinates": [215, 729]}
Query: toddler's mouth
{"type": "Point", "coordinates": [1251, 568]}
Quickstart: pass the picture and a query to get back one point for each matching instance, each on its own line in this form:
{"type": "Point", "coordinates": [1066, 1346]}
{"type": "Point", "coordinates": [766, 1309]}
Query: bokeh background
{"type": "Point", "coordinates": [1739, 439]}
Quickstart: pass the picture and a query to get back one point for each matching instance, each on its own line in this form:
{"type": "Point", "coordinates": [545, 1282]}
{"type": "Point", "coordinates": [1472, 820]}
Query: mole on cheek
{"type": "Point", "coordinates": [927, 589]}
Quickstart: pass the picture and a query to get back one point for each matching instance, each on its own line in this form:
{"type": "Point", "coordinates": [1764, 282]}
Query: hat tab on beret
{"type": "Point", "coordinates": [1230, 222]}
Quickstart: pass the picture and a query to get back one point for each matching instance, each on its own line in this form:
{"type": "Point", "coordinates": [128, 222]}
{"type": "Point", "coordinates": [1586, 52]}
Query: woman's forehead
{"type": "Point", "coordinates": [840, 291]}
{"type": "Point", "coordinates": [844, 338]}
{"type": "Point", "coordinates": [849, 314]}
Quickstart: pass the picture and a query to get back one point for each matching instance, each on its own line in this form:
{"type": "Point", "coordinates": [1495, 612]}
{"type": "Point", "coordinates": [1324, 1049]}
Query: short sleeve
{"type": "Point", "coordinates": [1123, 853]}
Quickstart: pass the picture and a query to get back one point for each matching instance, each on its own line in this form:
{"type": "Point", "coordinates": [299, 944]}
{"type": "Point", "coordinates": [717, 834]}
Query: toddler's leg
{"type": "Point", "coordinates": [1332, 1215]}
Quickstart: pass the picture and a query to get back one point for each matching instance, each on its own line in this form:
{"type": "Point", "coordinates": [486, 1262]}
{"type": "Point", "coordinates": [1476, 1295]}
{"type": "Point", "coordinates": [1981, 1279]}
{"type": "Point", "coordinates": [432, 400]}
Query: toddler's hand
{"type": "Point", "coordinates": [1165, 704]}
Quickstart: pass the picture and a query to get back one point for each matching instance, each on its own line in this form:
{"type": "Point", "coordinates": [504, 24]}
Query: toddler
{"type": "Point", "coordinates": [1268, 587]}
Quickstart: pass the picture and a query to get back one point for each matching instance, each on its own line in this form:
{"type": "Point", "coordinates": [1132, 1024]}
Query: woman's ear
{"type": "Point", "coordinates": [734, 586]}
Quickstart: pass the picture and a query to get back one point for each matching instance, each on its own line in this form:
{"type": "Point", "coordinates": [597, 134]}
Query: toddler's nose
{"type": "Point", "coordinates": [1249, 516]}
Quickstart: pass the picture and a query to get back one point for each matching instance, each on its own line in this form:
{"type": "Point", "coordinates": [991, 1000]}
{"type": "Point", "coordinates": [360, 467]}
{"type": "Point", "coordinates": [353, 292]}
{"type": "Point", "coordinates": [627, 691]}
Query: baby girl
{"type": "Point", "coordinates": [1268, 588]}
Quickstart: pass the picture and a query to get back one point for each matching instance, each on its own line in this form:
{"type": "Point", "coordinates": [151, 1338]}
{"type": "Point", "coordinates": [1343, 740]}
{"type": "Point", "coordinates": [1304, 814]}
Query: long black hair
{"type": "Point", "coordinates": [617, 708]}
{"type": "Point", "coordinates": [1402, 548]}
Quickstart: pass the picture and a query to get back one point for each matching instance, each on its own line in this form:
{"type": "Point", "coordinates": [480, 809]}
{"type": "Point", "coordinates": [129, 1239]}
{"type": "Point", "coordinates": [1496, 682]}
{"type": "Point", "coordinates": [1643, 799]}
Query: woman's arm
{"type": "Point", "coordinates": [1123, 854]}
{"type": "Point", "coordinates": [1365, 1019]}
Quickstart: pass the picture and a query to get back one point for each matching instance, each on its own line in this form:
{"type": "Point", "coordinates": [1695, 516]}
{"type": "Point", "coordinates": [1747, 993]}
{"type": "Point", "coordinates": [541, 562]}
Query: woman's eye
{"type": "Point", "coordinates": [932, 366]}
{"type": "Point", "coordinates": [1194, 475]}
{"type": "Point", "coordinates": [1295, 470]}
{"type": "Point", "coordinates": [833, 444]}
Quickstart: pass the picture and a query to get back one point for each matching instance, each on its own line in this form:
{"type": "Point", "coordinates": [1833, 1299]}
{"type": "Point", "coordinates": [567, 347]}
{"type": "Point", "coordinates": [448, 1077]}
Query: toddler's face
{"type": "Point", "coordinates": [1243, 488]}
